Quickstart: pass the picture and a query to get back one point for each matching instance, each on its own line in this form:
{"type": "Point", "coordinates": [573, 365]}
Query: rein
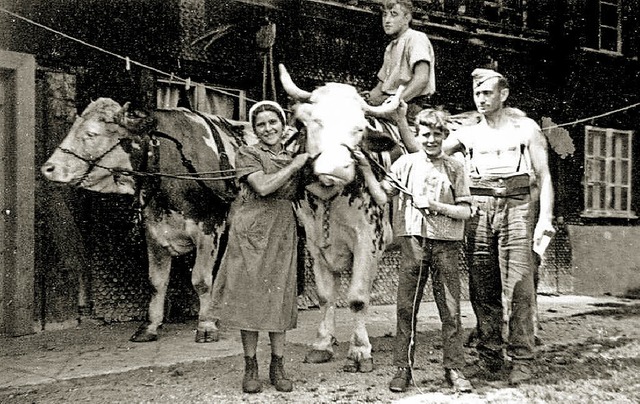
{"type": "Point", "coordinates": [393, 181]}
{"type": "Point", "coordinates": [94, 163]}
{"type": "Point", "coordinates": [192, 174]}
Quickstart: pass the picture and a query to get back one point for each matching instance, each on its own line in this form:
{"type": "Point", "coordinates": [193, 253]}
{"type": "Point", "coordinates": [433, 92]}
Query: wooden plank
{"type": "Point", "coordinates": [18, 209]}
{"type": "Point", "coordinates": [4, 293]}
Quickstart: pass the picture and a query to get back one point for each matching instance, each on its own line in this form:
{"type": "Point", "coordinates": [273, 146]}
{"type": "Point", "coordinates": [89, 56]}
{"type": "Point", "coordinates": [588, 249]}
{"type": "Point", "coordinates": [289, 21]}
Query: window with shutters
{"type": "Point", "coordinates": [227, 102]}
{"type": "Point", "coordinates": [608, 162]}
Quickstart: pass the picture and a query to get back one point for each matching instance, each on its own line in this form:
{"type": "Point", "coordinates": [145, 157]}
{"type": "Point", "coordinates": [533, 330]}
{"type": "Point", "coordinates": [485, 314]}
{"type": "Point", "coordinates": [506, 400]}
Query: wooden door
{"type": "Point", "coordinates": [17, 130]}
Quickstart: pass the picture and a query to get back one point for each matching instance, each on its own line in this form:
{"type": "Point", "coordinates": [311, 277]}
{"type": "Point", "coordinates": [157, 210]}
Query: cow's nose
{"type": "Point", "coordinates": [327, 180]}
{"type": "Point", "coordinates": [47, 169]}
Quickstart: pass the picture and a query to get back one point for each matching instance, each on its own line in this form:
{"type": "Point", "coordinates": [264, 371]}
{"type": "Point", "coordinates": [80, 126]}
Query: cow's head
{"type": "Point", "coordinates": [334, 117]}
{"type": "Point", "coordinates": [100, 144]}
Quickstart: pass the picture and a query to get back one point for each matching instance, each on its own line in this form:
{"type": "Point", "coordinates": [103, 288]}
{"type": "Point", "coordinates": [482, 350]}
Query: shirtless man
{"type": "Point", "coordinates": [508, 160]}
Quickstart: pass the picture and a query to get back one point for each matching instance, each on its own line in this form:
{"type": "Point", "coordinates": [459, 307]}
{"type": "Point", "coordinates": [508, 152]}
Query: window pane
{"type": "Point", "coordinates": [615, 198]}
{"type": "Point", "coordinates": [596, 140]}
{"type": "Point", "coordinates": [621, 140]}
{"type": "Point", "coordinates": [609, 39]}
{"type": "Point", "coordinates": [613, 174]}
{"type": "Point", "coordinates": [609, 15]}
{"type": "Point", "coordinates": [624, 198]}
{"type": "Point", "coordinates": [590, 142]}
{"type": "Point", "coordinates": [624, 172]}
{"type": "Point", "coordinates": [589, 197]}
{"type": "Point", "coordinates": [602, 148]}
{"type": "Point", "coordinates": [593, 170]}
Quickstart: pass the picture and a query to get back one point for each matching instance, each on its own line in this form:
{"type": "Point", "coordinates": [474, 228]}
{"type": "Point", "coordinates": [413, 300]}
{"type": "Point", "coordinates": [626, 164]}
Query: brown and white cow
{"type": "Point", "coordinates": [345, 229]}
{"type": "Point", "coordinates": [110, 149]}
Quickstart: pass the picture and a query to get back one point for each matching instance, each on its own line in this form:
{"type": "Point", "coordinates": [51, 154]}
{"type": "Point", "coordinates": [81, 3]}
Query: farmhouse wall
{"type": "Point", "coordinates": [551, 72]}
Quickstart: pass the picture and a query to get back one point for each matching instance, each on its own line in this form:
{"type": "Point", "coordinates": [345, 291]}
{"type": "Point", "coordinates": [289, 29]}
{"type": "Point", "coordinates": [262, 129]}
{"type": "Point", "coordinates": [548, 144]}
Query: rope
{"type": "Point", "coordinates": [184, 176]}
{"type": "Point", "coordinates": [592, 117]}
{"type": "Point", "coordinates": [128, 61]}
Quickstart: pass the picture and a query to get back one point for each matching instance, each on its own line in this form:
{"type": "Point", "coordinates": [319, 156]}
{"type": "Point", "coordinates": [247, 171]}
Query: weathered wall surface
{"type": "Point", "coordinates": [605, 260]}
{"type": "Point", "coordinates": [556, 79]}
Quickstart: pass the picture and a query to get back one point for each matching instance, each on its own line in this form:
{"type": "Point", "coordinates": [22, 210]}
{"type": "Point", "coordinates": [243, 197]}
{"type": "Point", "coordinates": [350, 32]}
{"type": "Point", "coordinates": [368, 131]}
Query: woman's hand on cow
{"type": "Point", "coordinates": [300, 160]}
{"type": "Point", "coordinates": [361, 159]}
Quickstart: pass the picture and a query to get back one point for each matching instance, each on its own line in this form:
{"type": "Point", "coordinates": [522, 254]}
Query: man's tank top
{"type": "Point", "coordinates": [497, 152]}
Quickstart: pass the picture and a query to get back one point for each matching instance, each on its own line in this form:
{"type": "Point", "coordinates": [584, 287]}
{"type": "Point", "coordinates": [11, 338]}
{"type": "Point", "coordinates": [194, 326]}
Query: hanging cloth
{"type": "Point", "coordinates": [265, 38]}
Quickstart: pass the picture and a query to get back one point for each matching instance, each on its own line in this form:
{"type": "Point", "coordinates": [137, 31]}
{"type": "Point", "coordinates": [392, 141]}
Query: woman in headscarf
{"type": "Point", "coordinates": [255, 289]}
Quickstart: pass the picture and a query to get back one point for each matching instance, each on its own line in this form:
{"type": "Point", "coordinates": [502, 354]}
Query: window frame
{"type": "Point", "coordinates": [599, 26]}
{"type": "Point", "coordinates": [608, 193]}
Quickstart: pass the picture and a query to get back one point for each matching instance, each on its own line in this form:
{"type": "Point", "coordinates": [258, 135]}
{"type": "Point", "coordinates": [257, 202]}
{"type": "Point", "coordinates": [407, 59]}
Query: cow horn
{"type": "Point", "coordinates": [290, 87]}
{"type": "Point", "coordinates": [122, 113]}
{"type": "Point", "coordinates": [391, 104]}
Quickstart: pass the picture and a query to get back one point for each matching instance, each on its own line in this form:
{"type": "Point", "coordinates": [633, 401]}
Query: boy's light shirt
{"type": "Point", "coordinates": [425, 178]}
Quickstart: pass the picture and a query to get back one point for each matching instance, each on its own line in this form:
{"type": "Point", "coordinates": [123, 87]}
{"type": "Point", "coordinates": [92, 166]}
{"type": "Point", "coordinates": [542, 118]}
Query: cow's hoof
{"type": "Point", "coordinates": [366, 365]}
{"type": "Point", "coordinates": [317, 356]}
{"type": "Point", "coordinates": [351, 366]}
{"type": "Point", "coordinates": [207, 336]}
{"type": "Point", "coordinates": [142, 335]}
{"type": "Point", "coordinates": [357, 306]}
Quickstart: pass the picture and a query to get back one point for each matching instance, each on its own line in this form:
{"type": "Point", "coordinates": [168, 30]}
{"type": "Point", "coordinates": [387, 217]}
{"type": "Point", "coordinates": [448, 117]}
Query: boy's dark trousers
{"type": "Point", "coordinates": [421, 257]}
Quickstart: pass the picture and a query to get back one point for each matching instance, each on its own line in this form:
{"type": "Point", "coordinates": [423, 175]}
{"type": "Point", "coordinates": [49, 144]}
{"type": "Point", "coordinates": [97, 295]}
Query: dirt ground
{"type": "Point", "coordinates": [588, 358]}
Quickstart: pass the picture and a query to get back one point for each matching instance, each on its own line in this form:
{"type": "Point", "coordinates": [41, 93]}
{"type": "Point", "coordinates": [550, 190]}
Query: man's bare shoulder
{"type": "Point", "coordinates": [520, 119]}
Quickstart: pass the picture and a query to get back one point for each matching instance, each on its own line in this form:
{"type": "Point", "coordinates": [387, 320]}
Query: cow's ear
{"type": "Point", "coordinates": [303, 113]}
{"type": "Point", "coordinates": [135, 120]}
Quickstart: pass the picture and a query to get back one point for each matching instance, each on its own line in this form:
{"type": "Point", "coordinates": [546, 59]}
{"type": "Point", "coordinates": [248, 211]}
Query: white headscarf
{"type": "Point", "coordinates": [275, 106]}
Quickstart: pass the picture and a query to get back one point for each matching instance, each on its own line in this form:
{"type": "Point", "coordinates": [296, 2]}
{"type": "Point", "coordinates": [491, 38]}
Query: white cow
{"type": "Point", "coordinates": [345, 228]}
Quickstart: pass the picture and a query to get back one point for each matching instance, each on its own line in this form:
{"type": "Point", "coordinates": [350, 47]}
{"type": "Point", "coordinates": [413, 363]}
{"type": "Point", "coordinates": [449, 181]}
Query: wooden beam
{"type": "Point", "coordinates": [18, 200]}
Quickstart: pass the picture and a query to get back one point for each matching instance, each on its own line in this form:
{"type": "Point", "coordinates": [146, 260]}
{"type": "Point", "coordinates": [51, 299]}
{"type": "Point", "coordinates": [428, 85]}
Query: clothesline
{"type": "Point", "coordinates": [126, 59]}
{"type": "Point", "coordinates": [593, 117]}
{"type": "Point", "coordinates": [187, 81]}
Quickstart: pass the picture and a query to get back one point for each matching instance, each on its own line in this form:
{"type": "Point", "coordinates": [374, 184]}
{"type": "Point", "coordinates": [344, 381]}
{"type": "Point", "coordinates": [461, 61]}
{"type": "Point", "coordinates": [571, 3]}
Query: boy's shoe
{"type": "Point", "coordinates": [491, 370]}
{"type": "Point", "coordinates": [520, 373]}
{"type": "Point", "coordinates": [457, 380]}
{"type": "Point", "coordinates": [400, 382]}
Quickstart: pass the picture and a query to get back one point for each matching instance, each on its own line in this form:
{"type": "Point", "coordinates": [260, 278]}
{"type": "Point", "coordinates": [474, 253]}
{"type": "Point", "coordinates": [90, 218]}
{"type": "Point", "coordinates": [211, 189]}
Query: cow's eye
{"type": "Point", "coordinates": [91, 134]}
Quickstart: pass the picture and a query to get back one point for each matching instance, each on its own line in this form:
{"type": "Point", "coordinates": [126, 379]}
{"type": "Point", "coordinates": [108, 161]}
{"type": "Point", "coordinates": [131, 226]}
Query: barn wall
{"type": "Point", "coordinates": [597, 249]}
{"type": "Point", "coordinates": [551, 76]}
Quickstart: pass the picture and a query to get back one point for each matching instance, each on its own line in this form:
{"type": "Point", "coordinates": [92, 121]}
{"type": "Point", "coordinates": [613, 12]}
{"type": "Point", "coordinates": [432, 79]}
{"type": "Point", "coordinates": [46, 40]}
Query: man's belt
{"type": "Point", "coordinates": [500, 187]}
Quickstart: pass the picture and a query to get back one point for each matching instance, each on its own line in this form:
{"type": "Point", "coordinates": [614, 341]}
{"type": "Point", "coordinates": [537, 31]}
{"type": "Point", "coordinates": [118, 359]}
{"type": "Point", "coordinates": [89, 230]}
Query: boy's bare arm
{"type": "Point", "coordinates": [377, 193]}
{"type": "Point", "coordinates": [418, 82]}
{"type": "Point", "coordinates": [461, 211]}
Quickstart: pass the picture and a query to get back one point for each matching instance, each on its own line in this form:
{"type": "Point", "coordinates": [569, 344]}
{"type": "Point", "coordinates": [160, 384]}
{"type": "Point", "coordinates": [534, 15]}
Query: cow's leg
{"type": "Point", "coordinates": [359, 357]}
{"type": "Point", "coordinates": [364, 270]}
{"type": "Point", "coordinates": [159, 270]}
{"type": "Point", "coordinates": [326, 284]}
{"type": "Point", "coordinates": [202, 279]}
